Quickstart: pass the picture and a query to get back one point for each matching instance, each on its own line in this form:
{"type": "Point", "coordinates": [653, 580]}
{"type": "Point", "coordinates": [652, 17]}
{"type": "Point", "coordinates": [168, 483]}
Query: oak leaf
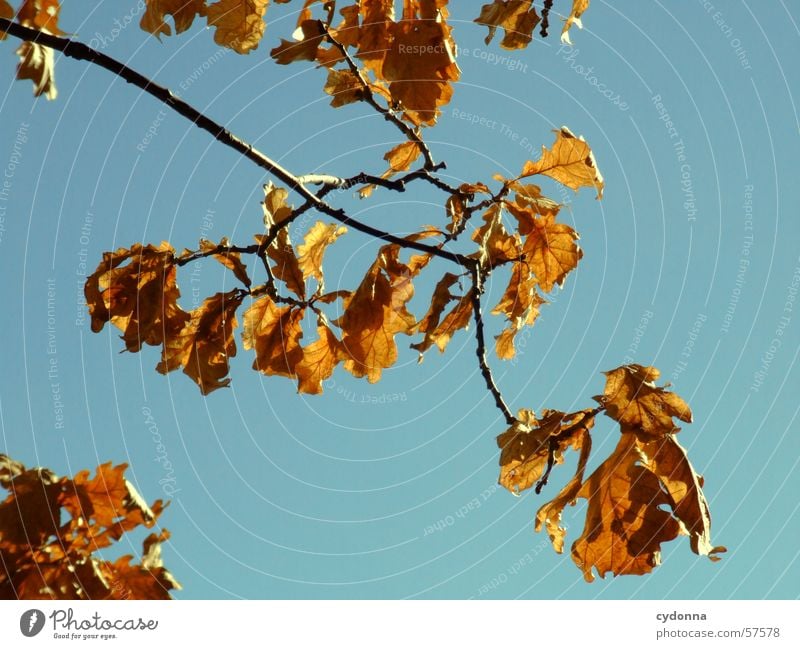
{"type": "Point", "coordinates": [239, 23]}
{"type": "Point", "coordinates": [632, 398]}
{"type": "Point", "coordinates": [377, 20]}
{"type": "Point", "coordinates": [344, 86]}
{"type": "Point", "coordinates": [420, 66]}
{"type": "Point", "coordinates": [274, 334]}
{"type": "Point", "coordinates": [518, 18]}
{"type": "Point", "coordinates": [183, 12]}
{"type": "Point", "coordinates": [276, 209]}
{"type": "Point", "coordinates": [625, 523]}
{"type": "Point", "coordinates": [520, 304]}
{"type": "Point", "coordinates": [204, 345]}
{"type": "Point", "coordinates": [376, 312]}
{"type": "Point", "coordinates": [570, 162]}
{"type": "Point", "coordinates": [308, 39]}
{"type": "Point", "coordinates": [666, 458]}
{"type": "Point", "coordinates": [313, 248]}
{"type": "Point", "coordinates": [287, 266]}
{"type": "Point", "coordinates": [319, 360]}
{"type": "Point", "coordinates": [550, 248]}
{"type": "Point", "coordinates": [528, 445]}
{"type": "Point", "coordinates": [136, 291]}
{"type": "Point", "coordinates": [496, 244]}
{"type": "Point", "coordinates": [549, 514]}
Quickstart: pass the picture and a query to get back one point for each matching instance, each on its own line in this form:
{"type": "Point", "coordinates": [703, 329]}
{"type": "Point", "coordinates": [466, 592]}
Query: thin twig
{"type": "Point", "coordinates": [82, 52]}
{"type": "Point", "coordinates": [486, 371]}
{"type": "Point", "coordinates": [369, 97]}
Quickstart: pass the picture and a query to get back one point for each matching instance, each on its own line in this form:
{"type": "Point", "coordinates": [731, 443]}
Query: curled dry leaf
{"type": "Point", "coordinates": [632, 398]}
{"type": "Point", "coordinates": [204, 345]}
{"type": "Point", "coordinates": [626, 517]}
{"type": "Point", "coordinates": [570, 162]}
{"type": "Point", "coordinates": [274, 333]}
{"type": "Point", "coordinates": [183, 12]}
{"type": "Point", "coordinates": [239, 24]}
{"type": "Point", "coordinates": [528, 445]}
{"type": "Point", "coordinates": [518, 18]}
{"type": "Point", "coordinates": [136, 291]}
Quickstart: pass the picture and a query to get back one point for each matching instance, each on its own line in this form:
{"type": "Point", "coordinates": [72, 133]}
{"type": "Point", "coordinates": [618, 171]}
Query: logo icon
{"type": "Point", "coordinates": [31, 622]}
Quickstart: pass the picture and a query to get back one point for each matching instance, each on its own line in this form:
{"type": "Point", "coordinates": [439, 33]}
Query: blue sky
{"type": "Point", "coordinates": [285, 496]}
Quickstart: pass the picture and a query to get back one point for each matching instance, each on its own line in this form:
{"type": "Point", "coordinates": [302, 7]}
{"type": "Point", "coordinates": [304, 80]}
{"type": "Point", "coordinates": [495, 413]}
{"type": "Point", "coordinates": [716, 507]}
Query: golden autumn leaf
{"type": "Point", "coordinates": [183, 12]}
{"type": "Point", "coordinates": [308, 39]}
{"type": "Point", "coordinates": [204, 345]}
{"type": "Point", "coordinates": [625, 523]}
{"type": "Point", "coordinates": [550, 248]}
{"type": "Point", "coordinates": [287, 266]}
{"type": "Point", "coordinates": [457, 318]}
{"type": "Point", "coordinates": [439, 301]}
{"type": "Point", "coordinates": [527, 445]}
{"type": "Point", "coordinates": [520, 305]}
{"type": "Point", "coordinates": [496, 244]}
{"type": "Point", "coordinates": [574, 18]}
{"type": "Point", "coordinates": [518, 18]}
{"type": "Point", "coordinates": [313, 248]}
{"type": "Point", "coordinates": [529, 197]}
{"type": "Point", "coordinates": [549, 514]}
{"type": "Point", "coordinates": [400, 158]}
{"type": "Point", "coordinates": [570, 162]}
{"type": "Point", "coordinates": [520, 301]}
{"type": "Point", "coordinates": [276, 209]}
{"type": "Point", "coordinates": [105, 498]}
{"type": "Point", "coordinates": [239, 23]}
{"type": "Point", "coordinates": [667, 459]}
{"type": "Point", "coordinates": [274, 333]}
{"type": "Point", "coordinates": [420, 66]}
{"type": "Point", "coordinates": [344, 86]}
{"type": "Point", "coordinates": [347, 31]}
{"type": "Point", "coordinates": [149, 580]}
{"type": "Point", "coordinates": [377, 20]}
{"type": "Point", "coordinates": [136, 291]}
{"type": "Point", "coordinates": [319, 360]}
{"type": "Point", "coordinates": [632, 398]}
{"type": "Point", "coordinates": [376, 312]}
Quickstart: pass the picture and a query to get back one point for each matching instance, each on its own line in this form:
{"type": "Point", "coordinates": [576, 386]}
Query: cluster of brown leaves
{"type": "Point", "coordinates": [518, 19]}
{"type": "Point", "coordinates": [644, 494]}
{"type": "Point", "coordinates": [135, 289]}
{"type": "Point", "coordinates": [51, 528]}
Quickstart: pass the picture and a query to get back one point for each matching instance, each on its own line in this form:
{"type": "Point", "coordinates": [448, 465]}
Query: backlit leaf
{"type": "Point", "coordinates": [205, 344]}
{"type": "Point", "coordinates": [625, 523]}
{"type": "Point", "coordinates": [632, 398]}
{"type": "Point", "coordinates": [570, 162]}
{"type": "Point", "coordinates": [518, 18]}
{"type": "Point", "coordinates": [239, 24]}
{"type": "Point", "coordinates": [274, 333]}
{"type": "Point", "coordinates": [183, 12]}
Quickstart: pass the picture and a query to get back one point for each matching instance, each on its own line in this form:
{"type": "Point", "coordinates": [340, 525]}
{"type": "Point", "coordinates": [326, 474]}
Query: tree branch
{"type": "Point", "coordinates": [486, 371]}
{"type": "Point", "coordinates": [82, 52]}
